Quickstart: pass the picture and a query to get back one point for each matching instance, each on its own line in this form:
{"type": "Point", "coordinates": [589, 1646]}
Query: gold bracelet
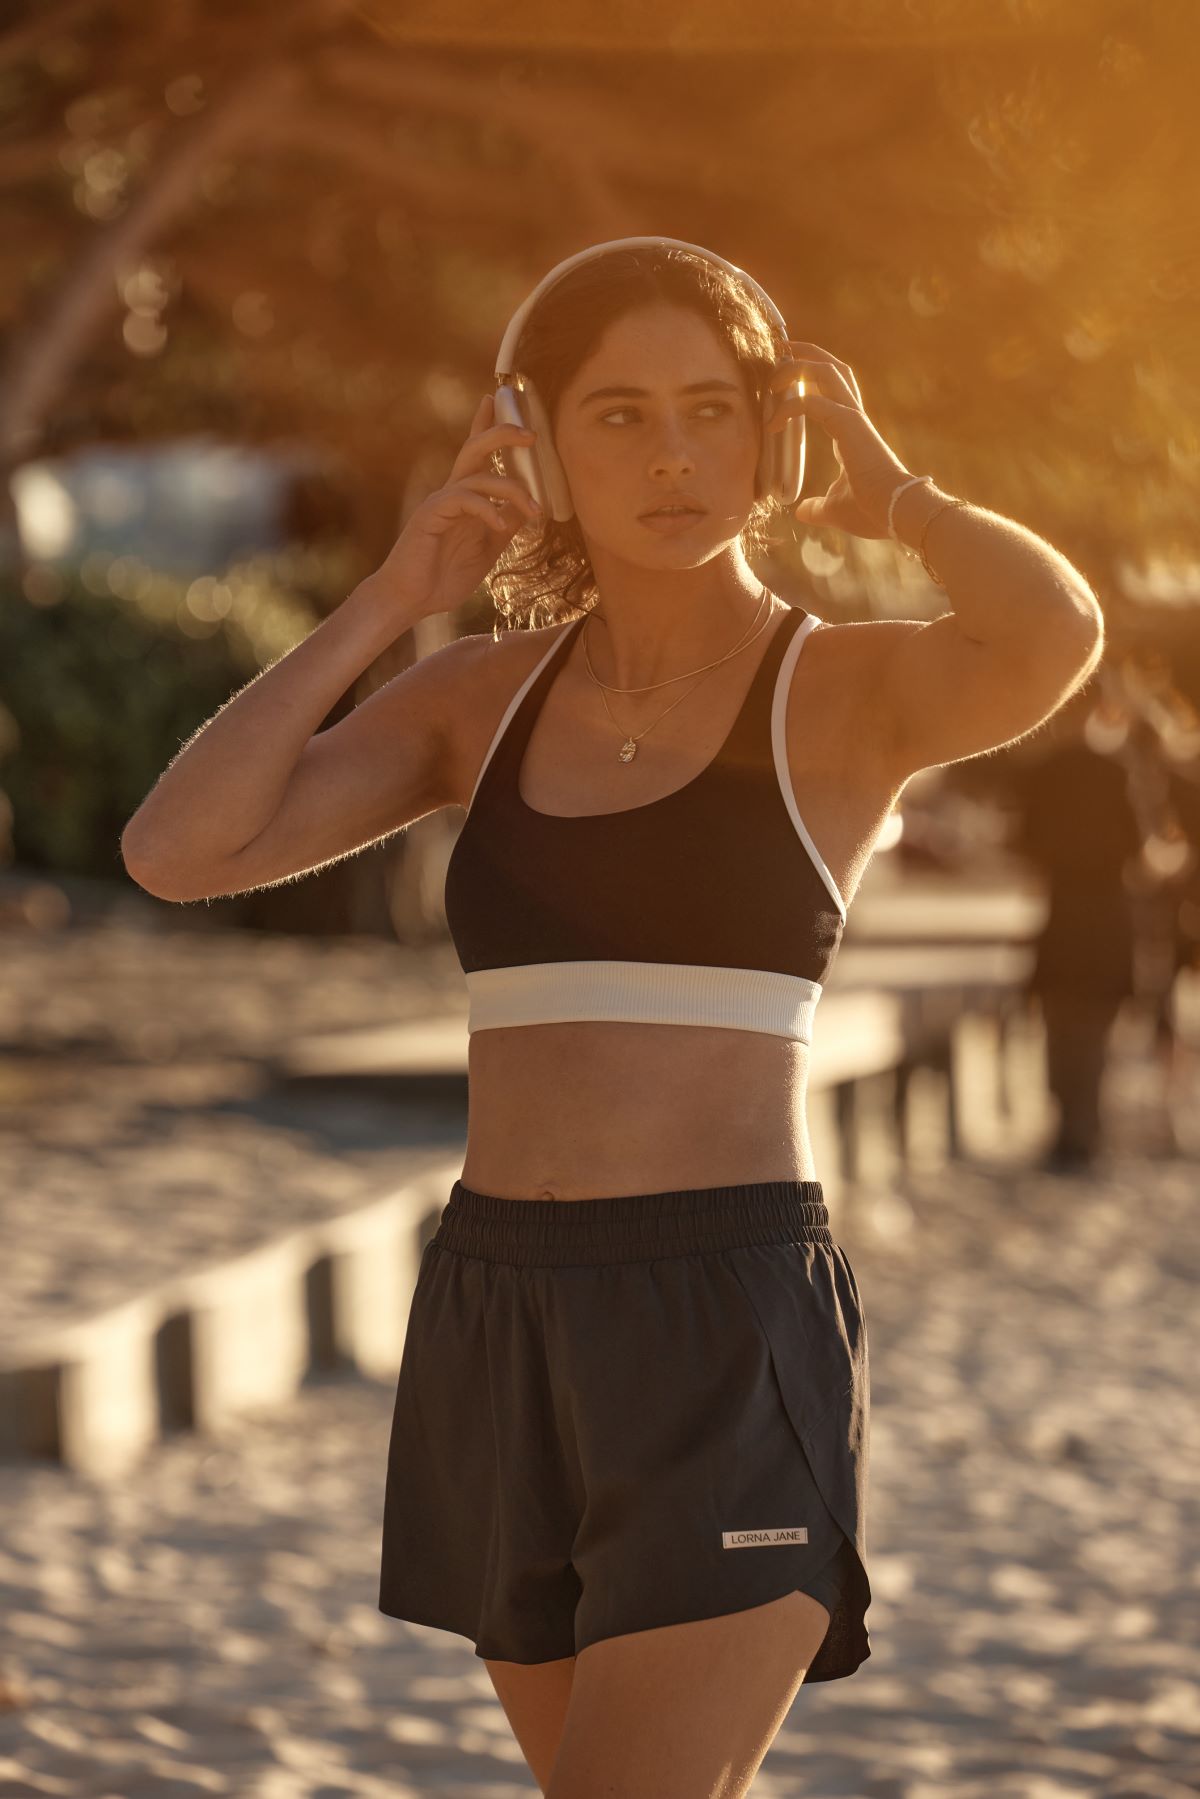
{"type": "Point", "coordinates": [921, 546]}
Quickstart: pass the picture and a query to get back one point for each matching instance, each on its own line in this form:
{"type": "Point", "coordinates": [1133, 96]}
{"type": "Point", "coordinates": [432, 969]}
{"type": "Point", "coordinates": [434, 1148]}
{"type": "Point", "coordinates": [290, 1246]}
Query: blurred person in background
{"type": "Point", "coordinates": [1178, 894]}
{"type": "Point", "coordinates": [1079, 827]}
{"type": "Point", "coordinates": [1168, 730]}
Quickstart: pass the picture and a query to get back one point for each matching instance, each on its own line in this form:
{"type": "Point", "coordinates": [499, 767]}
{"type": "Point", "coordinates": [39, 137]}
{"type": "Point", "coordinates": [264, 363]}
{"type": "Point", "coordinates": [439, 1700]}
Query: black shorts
{"type": "Point", "coordinates": [614, 1414]}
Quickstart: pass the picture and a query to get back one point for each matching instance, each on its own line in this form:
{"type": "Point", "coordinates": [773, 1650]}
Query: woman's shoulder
{"type": "Point", "coordinates": [493, 666]}
{"type": "Point", "coordinates": [499, 661]}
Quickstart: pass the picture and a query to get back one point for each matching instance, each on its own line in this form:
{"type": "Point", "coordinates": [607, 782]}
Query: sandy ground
{"type": "Point", "coordinates": [208, 1624]}
{"type": "Point", "coordinates": [138, 1136]}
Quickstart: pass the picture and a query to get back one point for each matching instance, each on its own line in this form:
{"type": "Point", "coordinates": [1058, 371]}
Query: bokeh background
{"type": "Point", "coordinates": [255, 266]}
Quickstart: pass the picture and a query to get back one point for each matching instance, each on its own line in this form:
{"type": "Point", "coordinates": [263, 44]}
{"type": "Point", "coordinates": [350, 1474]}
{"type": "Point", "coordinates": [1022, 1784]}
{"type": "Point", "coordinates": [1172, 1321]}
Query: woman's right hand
{"type": "Point", "coordinates": [456, 534]}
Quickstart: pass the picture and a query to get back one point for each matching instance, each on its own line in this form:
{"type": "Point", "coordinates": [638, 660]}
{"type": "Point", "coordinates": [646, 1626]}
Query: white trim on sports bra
{"type": "Point", "coordinates": [737, 999]}
{"type": "Point", "coordinates": [517, 697]}
{"type": "Point", "coordinates": [747, 999]}
{"type": "Point", "coordinates": [779, 702]}
{"type": "Point", "coordinates": [783, 682]}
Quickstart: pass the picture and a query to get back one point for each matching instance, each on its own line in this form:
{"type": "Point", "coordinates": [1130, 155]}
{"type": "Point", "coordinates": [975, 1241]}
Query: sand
{"type": "Point", "coordinates": [208, 1624]}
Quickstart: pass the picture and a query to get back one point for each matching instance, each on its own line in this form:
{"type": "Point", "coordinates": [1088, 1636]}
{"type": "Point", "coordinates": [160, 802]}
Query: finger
{"type": "Point", "coordinates": [497, 433]}
{"type": "Point", "coordinates": [489, 511]}
{"type": "Point", "coordinates": [795, 343]}
{"type": "Point", "coordinates": [504, 487]}
{"type": "Point", "coordinates": [479, 447]}
{"type": "Point", "coordinates": [814, 376]}
{"type": "Point", "coordinates": [812, 372]}
{"type": "Point", "coordinates": [843, 368]}
{"type": "Point", "coordinates": [481, 415]}
{"type": "Point", "coordinates": [485, 411]}
{"type": "Point", "coordinates": [809, 512]}
{"type": "Point", "coordinates": [827, 412]}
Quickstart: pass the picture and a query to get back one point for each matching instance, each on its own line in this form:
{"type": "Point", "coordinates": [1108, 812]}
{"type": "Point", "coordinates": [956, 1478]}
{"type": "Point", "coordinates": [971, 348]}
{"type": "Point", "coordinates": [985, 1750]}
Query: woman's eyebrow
{"type": "Point", "coordinates": [643, 393]}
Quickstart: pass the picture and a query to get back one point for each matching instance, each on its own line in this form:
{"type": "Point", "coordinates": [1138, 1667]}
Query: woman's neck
{"type": "Point", "coordinates": [638, 644]}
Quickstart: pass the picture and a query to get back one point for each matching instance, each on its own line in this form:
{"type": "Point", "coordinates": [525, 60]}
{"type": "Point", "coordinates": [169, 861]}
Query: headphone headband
{"type": "Point", "coordinates": [512, 335]}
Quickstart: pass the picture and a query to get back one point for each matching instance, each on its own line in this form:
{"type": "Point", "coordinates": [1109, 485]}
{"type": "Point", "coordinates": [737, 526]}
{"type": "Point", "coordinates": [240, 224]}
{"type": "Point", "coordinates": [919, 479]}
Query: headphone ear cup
{"type": "Point", "coordinates": [518, 460]}
{"type": "Point", "coordinates": [536, 466]}
{"type": "Point", "coordinates": [556, 497]}
{"type": "Point", "coordinates": [780, 474]}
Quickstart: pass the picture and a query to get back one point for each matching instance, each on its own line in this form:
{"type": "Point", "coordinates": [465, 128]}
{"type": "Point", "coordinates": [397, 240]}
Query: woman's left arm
{"type": "Point", "coordinates": [1000, 578]}
{"type": "Point", "coordinates": [1024, 629]}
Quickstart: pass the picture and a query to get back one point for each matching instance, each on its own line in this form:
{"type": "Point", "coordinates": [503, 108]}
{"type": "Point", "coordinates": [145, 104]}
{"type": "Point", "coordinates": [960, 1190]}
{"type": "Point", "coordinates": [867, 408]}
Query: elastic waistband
{"type": "Point", "coordinates": [631, 1227]}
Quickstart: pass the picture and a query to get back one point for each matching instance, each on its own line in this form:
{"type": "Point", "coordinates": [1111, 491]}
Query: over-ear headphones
{"type": "Point", "coordinates": [780, 472]}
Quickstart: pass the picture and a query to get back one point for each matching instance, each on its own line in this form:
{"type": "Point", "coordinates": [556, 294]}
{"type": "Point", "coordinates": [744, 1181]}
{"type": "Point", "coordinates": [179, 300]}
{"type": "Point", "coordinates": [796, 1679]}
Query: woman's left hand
{"type": "Point", "coordinates": [869, 471]}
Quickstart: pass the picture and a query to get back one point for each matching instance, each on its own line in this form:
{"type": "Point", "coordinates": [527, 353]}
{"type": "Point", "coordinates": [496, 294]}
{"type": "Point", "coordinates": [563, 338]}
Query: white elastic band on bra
{"type": "Point", "coordinates": [739, 999]}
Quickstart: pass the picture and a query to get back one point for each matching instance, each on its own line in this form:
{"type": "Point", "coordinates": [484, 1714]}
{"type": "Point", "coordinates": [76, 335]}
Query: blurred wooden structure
{"type": "Point", "coordinates": [935, 1056]}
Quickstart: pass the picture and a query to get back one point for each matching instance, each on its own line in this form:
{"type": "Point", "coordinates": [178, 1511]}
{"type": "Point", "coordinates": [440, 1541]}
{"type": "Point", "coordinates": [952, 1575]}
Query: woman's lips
{"type": "Point", "coordinates": [671, 521]}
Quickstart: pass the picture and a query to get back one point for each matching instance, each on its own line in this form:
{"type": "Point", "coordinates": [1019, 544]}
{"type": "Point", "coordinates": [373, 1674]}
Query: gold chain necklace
{"type": "Point", "coordinates": [628, 749]}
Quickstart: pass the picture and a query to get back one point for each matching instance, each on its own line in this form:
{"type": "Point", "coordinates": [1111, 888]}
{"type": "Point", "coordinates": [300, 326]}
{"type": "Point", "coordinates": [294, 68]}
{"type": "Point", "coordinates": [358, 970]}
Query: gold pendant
{"type": "Point", "coordinates": [628, 750]}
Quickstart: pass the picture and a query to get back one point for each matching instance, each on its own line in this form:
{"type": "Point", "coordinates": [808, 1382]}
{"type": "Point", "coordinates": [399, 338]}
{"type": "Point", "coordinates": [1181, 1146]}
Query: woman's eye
{"type": "Point", "coordinates": [720, 405]}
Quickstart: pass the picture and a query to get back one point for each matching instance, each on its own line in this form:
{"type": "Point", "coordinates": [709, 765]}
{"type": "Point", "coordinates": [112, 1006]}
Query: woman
{"type": "Point", "coordinates": [629, 1448]}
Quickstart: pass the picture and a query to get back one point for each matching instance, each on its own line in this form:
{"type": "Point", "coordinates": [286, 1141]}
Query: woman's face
{"type": "Point", "coordinates": [625, 452]}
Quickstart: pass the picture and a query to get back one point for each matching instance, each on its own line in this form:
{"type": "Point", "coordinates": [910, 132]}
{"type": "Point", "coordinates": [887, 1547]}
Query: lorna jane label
{"type": "Point", "coordinates": [749, 1539]}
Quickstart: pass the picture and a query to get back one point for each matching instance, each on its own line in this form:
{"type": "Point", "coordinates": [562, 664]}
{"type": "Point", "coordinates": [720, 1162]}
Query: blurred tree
{"type": "Point", "coordinates": [312, 225]}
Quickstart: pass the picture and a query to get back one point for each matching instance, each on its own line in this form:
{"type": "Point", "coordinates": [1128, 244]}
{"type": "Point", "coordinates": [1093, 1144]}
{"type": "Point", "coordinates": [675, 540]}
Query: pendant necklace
{"type": "Point", "coordinates": [629, 748]}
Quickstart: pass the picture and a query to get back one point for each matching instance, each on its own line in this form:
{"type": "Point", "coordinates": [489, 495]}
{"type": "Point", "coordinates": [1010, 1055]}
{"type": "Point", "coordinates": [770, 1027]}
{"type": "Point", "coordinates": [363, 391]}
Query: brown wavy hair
{"type": "Point", "coordinates": [544, 574]}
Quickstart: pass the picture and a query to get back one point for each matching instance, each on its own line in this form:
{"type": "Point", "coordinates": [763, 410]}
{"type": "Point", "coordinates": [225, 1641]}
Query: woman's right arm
{"type": "Point", "coordinates": [194, 835]}
{"type": "Point", "coordinates": [258, 793]}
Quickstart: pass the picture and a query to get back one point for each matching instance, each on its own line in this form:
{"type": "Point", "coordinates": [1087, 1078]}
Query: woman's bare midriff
{"type": "Point", "coordinates": [597, 1109]}
{"type": "Point", "coordinates": [600, 1108]}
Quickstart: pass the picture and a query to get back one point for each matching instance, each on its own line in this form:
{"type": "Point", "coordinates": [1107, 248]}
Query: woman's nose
{"type": "Point", "coordinates": [673, 446]}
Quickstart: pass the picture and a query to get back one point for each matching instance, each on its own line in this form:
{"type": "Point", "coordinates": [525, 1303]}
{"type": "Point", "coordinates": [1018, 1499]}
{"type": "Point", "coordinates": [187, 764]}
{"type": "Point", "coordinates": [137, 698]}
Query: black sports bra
{"type": "Point", "coordinates": [708, 906]}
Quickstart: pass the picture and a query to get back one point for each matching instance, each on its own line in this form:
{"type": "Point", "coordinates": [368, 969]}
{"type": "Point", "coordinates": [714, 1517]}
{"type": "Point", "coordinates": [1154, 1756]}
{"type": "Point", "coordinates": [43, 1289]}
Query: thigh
{"type": "Point", "coordinates": [685, 1711]}
{"type": "Point", "coordinates": [534, 1697]}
